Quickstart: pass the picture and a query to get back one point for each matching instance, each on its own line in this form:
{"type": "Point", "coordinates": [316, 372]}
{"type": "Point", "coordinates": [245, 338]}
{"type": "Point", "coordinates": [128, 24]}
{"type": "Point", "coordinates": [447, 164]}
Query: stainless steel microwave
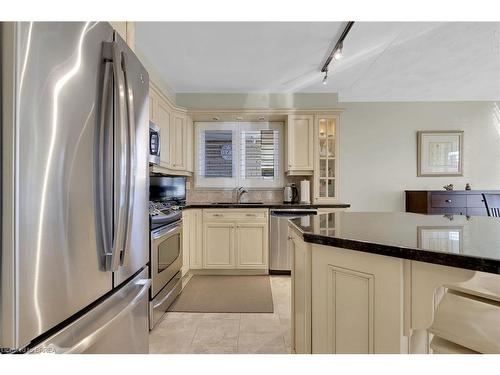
{"type": "Point", "coordinates": [154, 143]}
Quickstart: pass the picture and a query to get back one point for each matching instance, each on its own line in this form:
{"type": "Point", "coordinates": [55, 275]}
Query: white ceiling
{"type": "Point", "coordinates": [382, 61]}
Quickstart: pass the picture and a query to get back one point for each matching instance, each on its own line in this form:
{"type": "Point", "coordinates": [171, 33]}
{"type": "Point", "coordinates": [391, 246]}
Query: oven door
{"type": "Point", "coordinates": [166, 255]}
{"type": "Point", "coordinates": [154, 143]}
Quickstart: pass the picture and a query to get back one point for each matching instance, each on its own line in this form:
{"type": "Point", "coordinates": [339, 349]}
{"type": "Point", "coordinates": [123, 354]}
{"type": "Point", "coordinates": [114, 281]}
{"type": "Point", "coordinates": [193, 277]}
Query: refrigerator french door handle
{"type": "Point", "coordinates": [130, 153]}
{"type": "Point", "coordinates": [104, 168]}
{"type": "Point", "coordinates": [86, 342]}
{"type": "Point", "coordinates": [121, 175]}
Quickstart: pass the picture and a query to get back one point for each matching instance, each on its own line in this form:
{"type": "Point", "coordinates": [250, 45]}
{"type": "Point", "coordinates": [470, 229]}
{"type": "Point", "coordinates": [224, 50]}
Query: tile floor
{"type": "Point", "coordinates": [228, 333]}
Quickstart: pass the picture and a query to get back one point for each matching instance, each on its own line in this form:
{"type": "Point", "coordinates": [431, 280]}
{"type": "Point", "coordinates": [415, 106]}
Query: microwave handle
{"type": "Point", "coordinates": [157, 130]}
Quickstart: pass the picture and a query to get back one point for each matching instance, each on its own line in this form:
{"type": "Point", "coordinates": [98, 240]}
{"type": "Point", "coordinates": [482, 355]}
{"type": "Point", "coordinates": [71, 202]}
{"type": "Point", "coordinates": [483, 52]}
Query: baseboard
{"type": "Point", "coordinates": [279, 272]}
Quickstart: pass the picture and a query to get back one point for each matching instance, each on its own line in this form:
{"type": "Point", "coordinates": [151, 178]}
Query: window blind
{"type": "Point", "coordinates": [247, 154]}
{"type": "Point", "coordinates": [259, 154]}
{"type": "Point", "coordinates": [218, 153]}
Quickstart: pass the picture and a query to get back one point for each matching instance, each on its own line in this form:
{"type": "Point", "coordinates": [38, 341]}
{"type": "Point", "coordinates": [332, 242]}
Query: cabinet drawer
{"type": "Point", "coordinates": [448, 211]}
{"type": "Point", "coordinates": [476, 211]}
{"type": "Point", "coordinates": [448, 200]}
{"type": "Point", "coordinates": [475, 200]}
{"type": "Point", "coordinates": [235, 214]}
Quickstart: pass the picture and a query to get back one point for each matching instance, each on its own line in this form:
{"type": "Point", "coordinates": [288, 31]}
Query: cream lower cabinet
{"type": "Point", "coordinates": [235, 239]}
{"type": "Point", "coordinates": [192, 234]}
{"type": "Point", "coordinates": [218, 245]}
{"type": "Point", "coordinates": [301, 293]}
{"type": "Point", "coordinates": [251, 245]}
{"type": "Point", "coordinates": [357, 300]}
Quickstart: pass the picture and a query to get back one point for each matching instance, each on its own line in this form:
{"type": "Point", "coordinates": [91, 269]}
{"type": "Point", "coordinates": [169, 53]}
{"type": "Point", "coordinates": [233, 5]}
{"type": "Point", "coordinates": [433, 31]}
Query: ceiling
{"type": "Point", "coordinates": [383, 61]}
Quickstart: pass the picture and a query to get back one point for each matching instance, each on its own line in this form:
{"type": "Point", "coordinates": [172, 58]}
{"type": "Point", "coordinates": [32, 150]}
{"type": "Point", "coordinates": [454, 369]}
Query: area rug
{"type": "Point", "coordinates": [225, 294]}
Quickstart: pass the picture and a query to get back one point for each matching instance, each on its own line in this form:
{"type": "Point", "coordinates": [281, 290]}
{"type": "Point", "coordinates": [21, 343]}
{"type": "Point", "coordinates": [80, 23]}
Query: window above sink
{"type": "Point", "coordinates": [247, 154]}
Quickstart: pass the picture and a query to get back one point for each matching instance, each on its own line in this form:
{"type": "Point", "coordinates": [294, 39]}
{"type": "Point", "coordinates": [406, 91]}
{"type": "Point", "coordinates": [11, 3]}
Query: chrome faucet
{"type": "Point", "coordinates": [239, 192]}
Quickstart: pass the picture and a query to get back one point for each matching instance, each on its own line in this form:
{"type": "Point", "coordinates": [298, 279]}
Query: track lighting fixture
{"type": "Point", "coordinates": [336, 53]}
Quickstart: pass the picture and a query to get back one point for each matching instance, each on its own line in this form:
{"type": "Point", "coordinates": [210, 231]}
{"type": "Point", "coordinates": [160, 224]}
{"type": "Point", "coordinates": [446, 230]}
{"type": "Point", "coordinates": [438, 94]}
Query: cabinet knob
{"type": "Point", "coordinates": [289, 238]}
{"type": "Point", "coordinates": [448, 200]}
{"type": "Point", "coordinates": [218, 215]}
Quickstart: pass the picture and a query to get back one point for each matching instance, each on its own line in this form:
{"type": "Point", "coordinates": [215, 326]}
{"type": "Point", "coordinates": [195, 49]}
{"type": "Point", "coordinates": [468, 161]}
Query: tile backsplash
{"type": "Point", "coordinates": [229, 195]}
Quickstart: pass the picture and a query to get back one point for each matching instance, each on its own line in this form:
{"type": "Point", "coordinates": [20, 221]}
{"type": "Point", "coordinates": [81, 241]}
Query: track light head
{"type": "Point", "coordinates": [337, 55]}
{"type": "Point", "coordinates": [325, 79]}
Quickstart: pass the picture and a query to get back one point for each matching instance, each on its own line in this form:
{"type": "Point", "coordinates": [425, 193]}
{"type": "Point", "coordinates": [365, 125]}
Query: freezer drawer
{"type": "Point", "coordinates": [119, 325]}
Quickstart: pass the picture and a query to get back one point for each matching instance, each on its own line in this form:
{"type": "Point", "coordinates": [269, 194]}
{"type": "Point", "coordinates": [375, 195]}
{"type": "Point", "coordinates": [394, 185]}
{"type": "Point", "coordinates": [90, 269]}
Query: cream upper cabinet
{"type": "Point", "coordinates": [126, 30]}
{"type": "Point", "coordinates": [251, 245]}
{"type": "Point", "coordinates": [176, 134]}
{"type": "Point", "coordinates": [153, 107]}
{"type": "Point", "coordinates": [190, 145]}
{"type": "Point", "coordinates": [164, 122]}
{"type": "Point", "coordinates": [179, 144]}
{"type": "Point", "coordinates": [326, 161]}
{"type": "Point", "coordinates": [300, 157]}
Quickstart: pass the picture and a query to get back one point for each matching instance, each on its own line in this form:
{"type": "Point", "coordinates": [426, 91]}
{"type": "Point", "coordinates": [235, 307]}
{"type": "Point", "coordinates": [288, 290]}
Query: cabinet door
{"type": "Point", "coordinates": [165, 133]}
{"type": "Point", "coordinates": [153, 107]}
{"type": "Point", "coordinates": [126, 30]}
{"type": "Point", "coordinates": [301, 294]}
{"type": "Point", "coordinates": [196, 249]}
{"type": "Point", "coordinates": [178, 142]}
{"type": "Point", "coordinates": [189, 142]}
{"type": "Point", "coordinates": [351, 313]}
{"type": "Point", "coordinates": [326, 151]}
{"type": "Point", "coordinates": [252, 246]}
{"type": "Point", "coordinates": [218, 245]}
{"type": "Point", "coordinates": [121, 28]}
{"type": "Point", "coordinates": [187, 228]}
{"type": "Point", "coordinates": [300, 143]}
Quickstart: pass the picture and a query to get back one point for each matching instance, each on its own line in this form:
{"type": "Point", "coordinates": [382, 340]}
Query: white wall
{"type": "Point", "coordinates": [378, 155]}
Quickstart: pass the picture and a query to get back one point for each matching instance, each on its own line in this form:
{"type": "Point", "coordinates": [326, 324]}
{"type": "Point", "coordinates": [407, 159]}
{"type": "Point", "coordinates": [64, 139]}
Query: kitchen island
{"type": "Point", "coordinates": [395, 283]}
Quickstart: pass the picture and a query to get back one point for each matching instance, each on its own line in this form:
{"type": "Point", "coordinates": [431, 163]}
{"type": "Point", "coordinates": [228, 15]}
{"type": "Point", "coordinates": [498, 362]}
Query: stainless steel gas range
{"type": "Point", "coordinates": [167, 197]}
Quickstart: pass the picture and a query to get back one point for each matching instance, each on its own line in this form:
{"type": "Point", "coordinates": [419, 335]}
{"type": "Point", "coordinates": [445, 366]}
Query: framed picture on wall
{"type": "Point", "coordinates": [440, 153]}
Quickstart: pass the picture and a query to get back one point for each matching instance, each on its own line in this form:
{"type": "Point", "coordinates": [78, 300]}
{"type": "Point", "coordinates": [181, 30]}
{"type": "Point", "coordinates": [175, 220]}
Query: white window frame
{"type": "Point", "coordinates": [231, 183]}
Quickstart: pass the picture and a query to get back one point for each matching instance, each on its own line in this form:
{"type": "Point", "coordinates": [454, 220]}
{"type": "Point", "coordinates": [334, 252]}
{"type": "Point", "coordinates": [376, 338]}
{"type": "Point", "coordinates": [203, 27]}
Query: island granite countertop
{"type": "Point", "coordinates": [456, 241]}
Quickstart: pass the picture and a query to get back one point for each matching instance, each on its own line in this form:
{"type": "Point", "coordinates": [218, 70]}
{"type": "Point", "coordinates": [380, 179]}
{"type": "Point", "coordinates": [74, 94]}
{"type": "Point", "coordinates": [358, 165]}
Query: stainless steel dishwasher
{"type": "Point", "coordinates": [280, 259]}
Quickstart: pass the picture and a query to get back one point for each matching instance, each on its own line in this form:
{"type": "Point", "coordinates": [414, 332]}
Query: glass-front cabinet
{"type": "Point", "coordinates": [326, 158]}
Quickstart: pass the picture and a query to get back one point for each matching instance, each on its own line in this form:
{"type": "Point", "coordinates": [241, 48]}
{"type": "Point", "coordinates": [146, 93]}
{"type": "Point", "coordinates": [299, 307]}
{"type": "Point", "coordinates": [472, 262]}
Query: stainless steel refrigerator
{"type": "Point", "coordinates": [74, 190]}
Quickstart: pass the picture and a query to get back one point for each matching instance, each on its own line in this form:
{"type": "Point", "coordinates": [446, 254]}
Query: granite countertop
{"type": "Point", "coordinates": [456, 241]}
{"type": "Point", "coordinates": [264, 205]}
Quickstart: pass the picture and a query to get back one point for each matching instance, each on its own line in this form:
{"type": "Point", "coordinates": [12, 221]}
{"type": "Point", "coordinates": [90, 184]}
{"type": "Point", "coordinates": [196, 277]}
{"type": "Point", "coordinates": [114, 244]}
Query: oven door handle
{"type": "Point", "coordinates": [163, 232]}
